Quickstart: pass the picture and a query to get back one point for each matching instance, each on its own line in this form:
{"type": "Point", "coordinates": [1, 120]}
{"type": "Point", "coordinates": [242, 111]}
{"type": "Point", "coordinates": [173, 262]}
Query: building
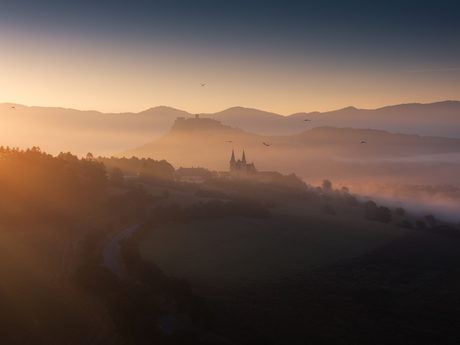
{"type": "Point", "coordinates": [240, 168]}
{"type": "Point", "coordinates": [193, 174]}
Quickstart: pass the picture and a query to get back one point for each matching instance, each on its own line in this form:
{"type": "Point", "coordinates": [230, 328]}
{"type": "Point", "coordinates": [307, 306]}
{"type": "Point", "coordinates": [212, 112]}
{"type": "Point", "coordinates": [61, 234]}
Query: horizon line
{"type": "Point", "coordinates": [204, 113]}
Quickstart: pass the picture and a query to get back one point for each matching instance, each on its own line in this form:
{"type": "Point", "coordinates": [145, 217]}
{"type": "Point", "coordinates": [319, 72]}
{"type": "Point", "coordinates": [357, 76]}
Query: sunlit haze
{"type": "Point", "coordinates": [279, 57]}
{"type": "Point", "coordinates": [229, 172]}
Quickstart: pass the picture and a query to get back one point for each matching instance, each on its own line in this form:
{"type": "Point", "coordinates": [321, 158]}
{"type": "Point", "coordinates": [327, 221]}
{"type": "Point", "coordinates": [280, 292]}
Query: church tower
{"type": "Point", "coordinates": [232, 163]}
{"type": "Point", "coordinates": [243, 164]}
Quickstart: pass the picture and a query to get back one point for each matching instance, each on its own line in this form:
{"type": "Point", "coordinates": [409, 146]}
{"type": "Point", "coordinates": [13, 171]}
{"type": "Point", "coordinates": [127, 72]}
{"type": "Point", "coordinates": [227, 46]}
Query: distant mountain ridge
{"type": "Point", "coordinates": [60, 129]}
{"type": "Point", "coordinates": [436, 119]}
{"type": "Point", "coordinates": [345, 154]}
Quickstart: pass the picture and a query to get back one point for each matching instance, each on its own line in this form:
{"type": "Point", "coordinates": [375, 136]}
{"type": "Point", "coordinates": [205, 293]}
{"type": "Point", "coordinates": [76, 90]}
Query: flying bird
{"type": "Point", "coordinates": [363, 142]}
{"type": "Point", "coordinates": [305, 120]}
{"type": "Point", "coordinates": [12, 108]}
{"type": "Point", "coordinates": [229, 141]}
{"type": "Point", "coordinates": [266, 144]}
{"type": "Point", "coordinates": [203, 84]}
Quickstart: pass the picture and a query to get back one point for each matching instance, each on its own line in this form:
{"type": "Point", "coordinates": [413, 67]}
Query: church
{"type": "Point", "coordinates": [241, 168]}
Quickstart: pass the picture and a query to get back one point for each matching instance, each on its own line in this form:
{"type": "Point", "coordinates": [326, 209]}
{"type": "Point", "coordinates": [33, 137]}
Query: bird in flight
{"type": "Point", "coordinates": [266, 144]}
{"type": "Point", "coordinates": [229, 141]}
{"type": "Point", "coordinates": [203, 84]}
{"type": "Point", "coordinates": [12, 108]}
{"type": "Point", "coordinates": [363, 142]}
{"type": "Point", "coordinates": [305, 120]}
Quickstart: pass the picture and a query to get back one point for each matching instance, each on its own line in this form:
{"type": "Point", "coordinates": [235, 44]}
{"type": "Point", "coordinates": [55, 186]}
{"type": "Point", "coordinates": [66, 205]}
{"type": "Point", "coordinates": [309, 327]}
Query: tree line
{"type": "Point", "coordinates": [145, 168]}
{"type": "Point", "coordinates": [39, 187]}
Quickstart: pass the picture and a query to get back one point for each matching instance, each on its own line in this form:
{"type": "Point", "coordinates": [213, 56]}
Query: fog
{"type": "Point", "coordinates": [313, 154]}
{"type": "Point", "coordinates": [60, 129]}
{"type": "Point", "coordinates": [417, 200]}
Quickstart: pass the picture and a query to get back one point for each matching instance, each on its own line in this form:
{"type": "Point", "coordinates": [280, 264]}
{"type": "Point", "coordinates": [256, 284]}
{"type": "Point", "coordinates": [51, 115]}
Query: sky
{"type": "Point", "coordinates": [278, 56]}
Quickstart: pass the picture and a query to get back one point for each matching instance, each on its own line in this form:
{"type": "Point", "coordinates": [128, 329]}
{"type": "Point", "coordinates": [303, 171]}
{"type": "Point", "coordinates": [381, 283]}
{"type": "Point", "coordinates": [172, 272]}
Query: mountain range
{"type": "Point", "coordinates": [59, 129]}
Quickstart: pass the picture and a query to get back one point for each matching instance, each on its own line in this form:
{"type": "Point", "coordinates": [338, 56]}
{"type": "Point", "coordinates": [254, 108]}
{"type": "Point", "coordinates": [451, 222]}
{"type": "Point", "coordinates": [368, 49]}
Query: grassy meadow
{"type": "Point", "coordinates": [237, 251]}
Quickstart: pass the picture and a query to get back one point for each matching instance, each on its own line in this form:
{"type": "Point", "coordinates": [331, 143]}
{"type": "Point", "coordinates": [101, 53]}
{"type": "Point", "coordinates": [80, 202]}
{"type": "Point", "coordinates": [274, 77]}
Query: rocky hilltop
{"type": "Point", "coordinates": [198, 124]}
{"type": "Point", "coordinates": [343, 154]}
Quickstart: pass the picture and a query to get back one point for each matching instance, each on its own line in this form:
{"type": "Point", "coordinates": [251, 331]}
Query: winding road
{"type": "Point", "coordinates": [109, 255]}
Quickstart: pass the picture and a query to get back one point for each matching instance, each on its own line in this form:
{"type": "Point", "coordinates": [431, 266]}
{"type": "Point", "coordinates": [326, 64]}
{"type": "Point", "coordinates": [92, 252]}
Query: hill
{"type": "Point", "coordinates": [59, 129]}
{"type": "Point", "coordinates": [435, 119]}
{"type": "Point", "coordinates": [324, 152]}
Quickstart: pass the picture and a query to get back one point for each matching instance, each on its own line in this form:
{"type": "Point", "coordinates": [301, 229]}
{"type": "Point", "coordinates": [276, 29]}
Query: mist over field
{"type": "Point", "coordinates": [229, 172]}
{"type": "Point", "coordinates": [327, 146]}
{"type": "Point", "coordinates": [344, 155]}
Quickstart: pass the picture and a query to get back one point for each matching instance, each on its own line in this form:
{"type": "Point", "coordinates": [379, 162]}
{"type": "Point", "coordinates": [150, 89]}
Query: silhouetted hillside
{"type": "Point", "coordinates": [59, 129]}
{"type": "Point", "coordinates": [325, 152]}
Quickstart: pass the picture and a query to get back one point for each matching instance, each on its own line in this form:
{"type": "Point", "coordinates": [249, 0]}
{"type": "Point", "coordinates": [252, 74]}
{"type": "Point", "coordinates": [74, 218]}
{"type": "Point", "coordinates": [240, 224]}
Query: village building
{"type": "Point", "coordinates": [193, 174]}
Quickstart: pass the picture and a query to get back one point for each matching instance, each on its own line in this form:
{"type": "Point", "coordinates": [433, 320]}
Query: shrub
{"type": "Point", "coordinates": [383, 214]}
{"type": "Point", "coordinates": [420, 224]}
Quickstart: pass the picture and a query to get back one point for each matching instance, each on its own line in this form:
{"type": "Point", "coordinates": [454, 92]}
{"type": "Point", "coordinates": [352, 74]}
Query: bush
{"type": "Point", "coordinates": [373, 212]}
{"type": "Point", "coordinates": [351, 200]}
{"type": "Point", "coordinates": [383, 214]}
{"type": "Point", "coordinates": [420, 224]}
{"type": "Point", "coordinates": [370, 209]}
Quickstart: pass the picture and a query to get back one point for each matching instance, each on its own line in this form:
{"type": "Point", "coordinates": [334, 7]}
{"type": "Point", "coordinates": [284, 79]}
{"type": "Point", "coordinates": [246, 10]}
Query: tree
{"type": "Point", "coordinates": [430, 219]}
{"type": "Point", "coordinates": [351, 200]}
{"type": "Point", "coordinates": [327, 185]}
{"type": "Point", "coordinates": [383, 214]}
{"type": "Point", "coordinates": [117, 177]}
{"type": "Point", "coordinates": [373, 212]}
{"type": "Point", "coordinates": [370, 209]}
{"type": "Point", "coordinates": [89, 156]}
{"type": "Point", "coordinates": [345, 189]}
{"type": "Point", "coordinates": [420, 224]}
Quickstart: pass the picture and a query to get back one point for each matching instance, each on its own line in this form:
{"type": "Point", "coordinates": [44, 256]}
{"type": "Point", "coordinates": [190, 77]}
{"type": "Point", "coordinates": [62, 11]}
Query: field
{"type": "Point", "coordinates": [239, 251]}
{"type": "Point", "coordinates": [302, 277]}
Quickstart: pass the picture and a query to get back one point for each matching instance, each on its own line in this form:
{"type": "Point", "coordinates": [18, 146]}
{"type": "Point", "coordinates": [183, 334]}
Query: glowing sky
{"type": "Point", "coordinates": [279, 56]}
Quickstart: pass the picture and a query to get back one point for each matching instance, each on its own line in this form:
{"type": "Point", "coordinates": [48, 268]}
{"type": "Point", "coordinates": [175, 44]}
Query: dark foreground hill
{"type": "Point", "coordinates": [59, 129]}
{"type": "Point", "coordinates": [324, 152]}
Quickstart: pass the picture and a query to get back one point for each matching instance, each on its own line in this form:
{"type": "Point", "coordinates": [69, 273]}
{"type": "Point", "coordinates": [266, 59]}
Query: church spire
{"type": "Point", "coordinates": [233, 157]}
{"type": "Point", "coordinates": [244, 158]}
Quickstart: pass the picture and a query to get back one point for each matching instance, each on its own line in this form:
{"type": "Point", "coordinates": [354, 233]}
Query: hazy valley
{"type": "Point", "coordinates": [352, 238]}
{"type": "Point", "coordinates": [58, 129]}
